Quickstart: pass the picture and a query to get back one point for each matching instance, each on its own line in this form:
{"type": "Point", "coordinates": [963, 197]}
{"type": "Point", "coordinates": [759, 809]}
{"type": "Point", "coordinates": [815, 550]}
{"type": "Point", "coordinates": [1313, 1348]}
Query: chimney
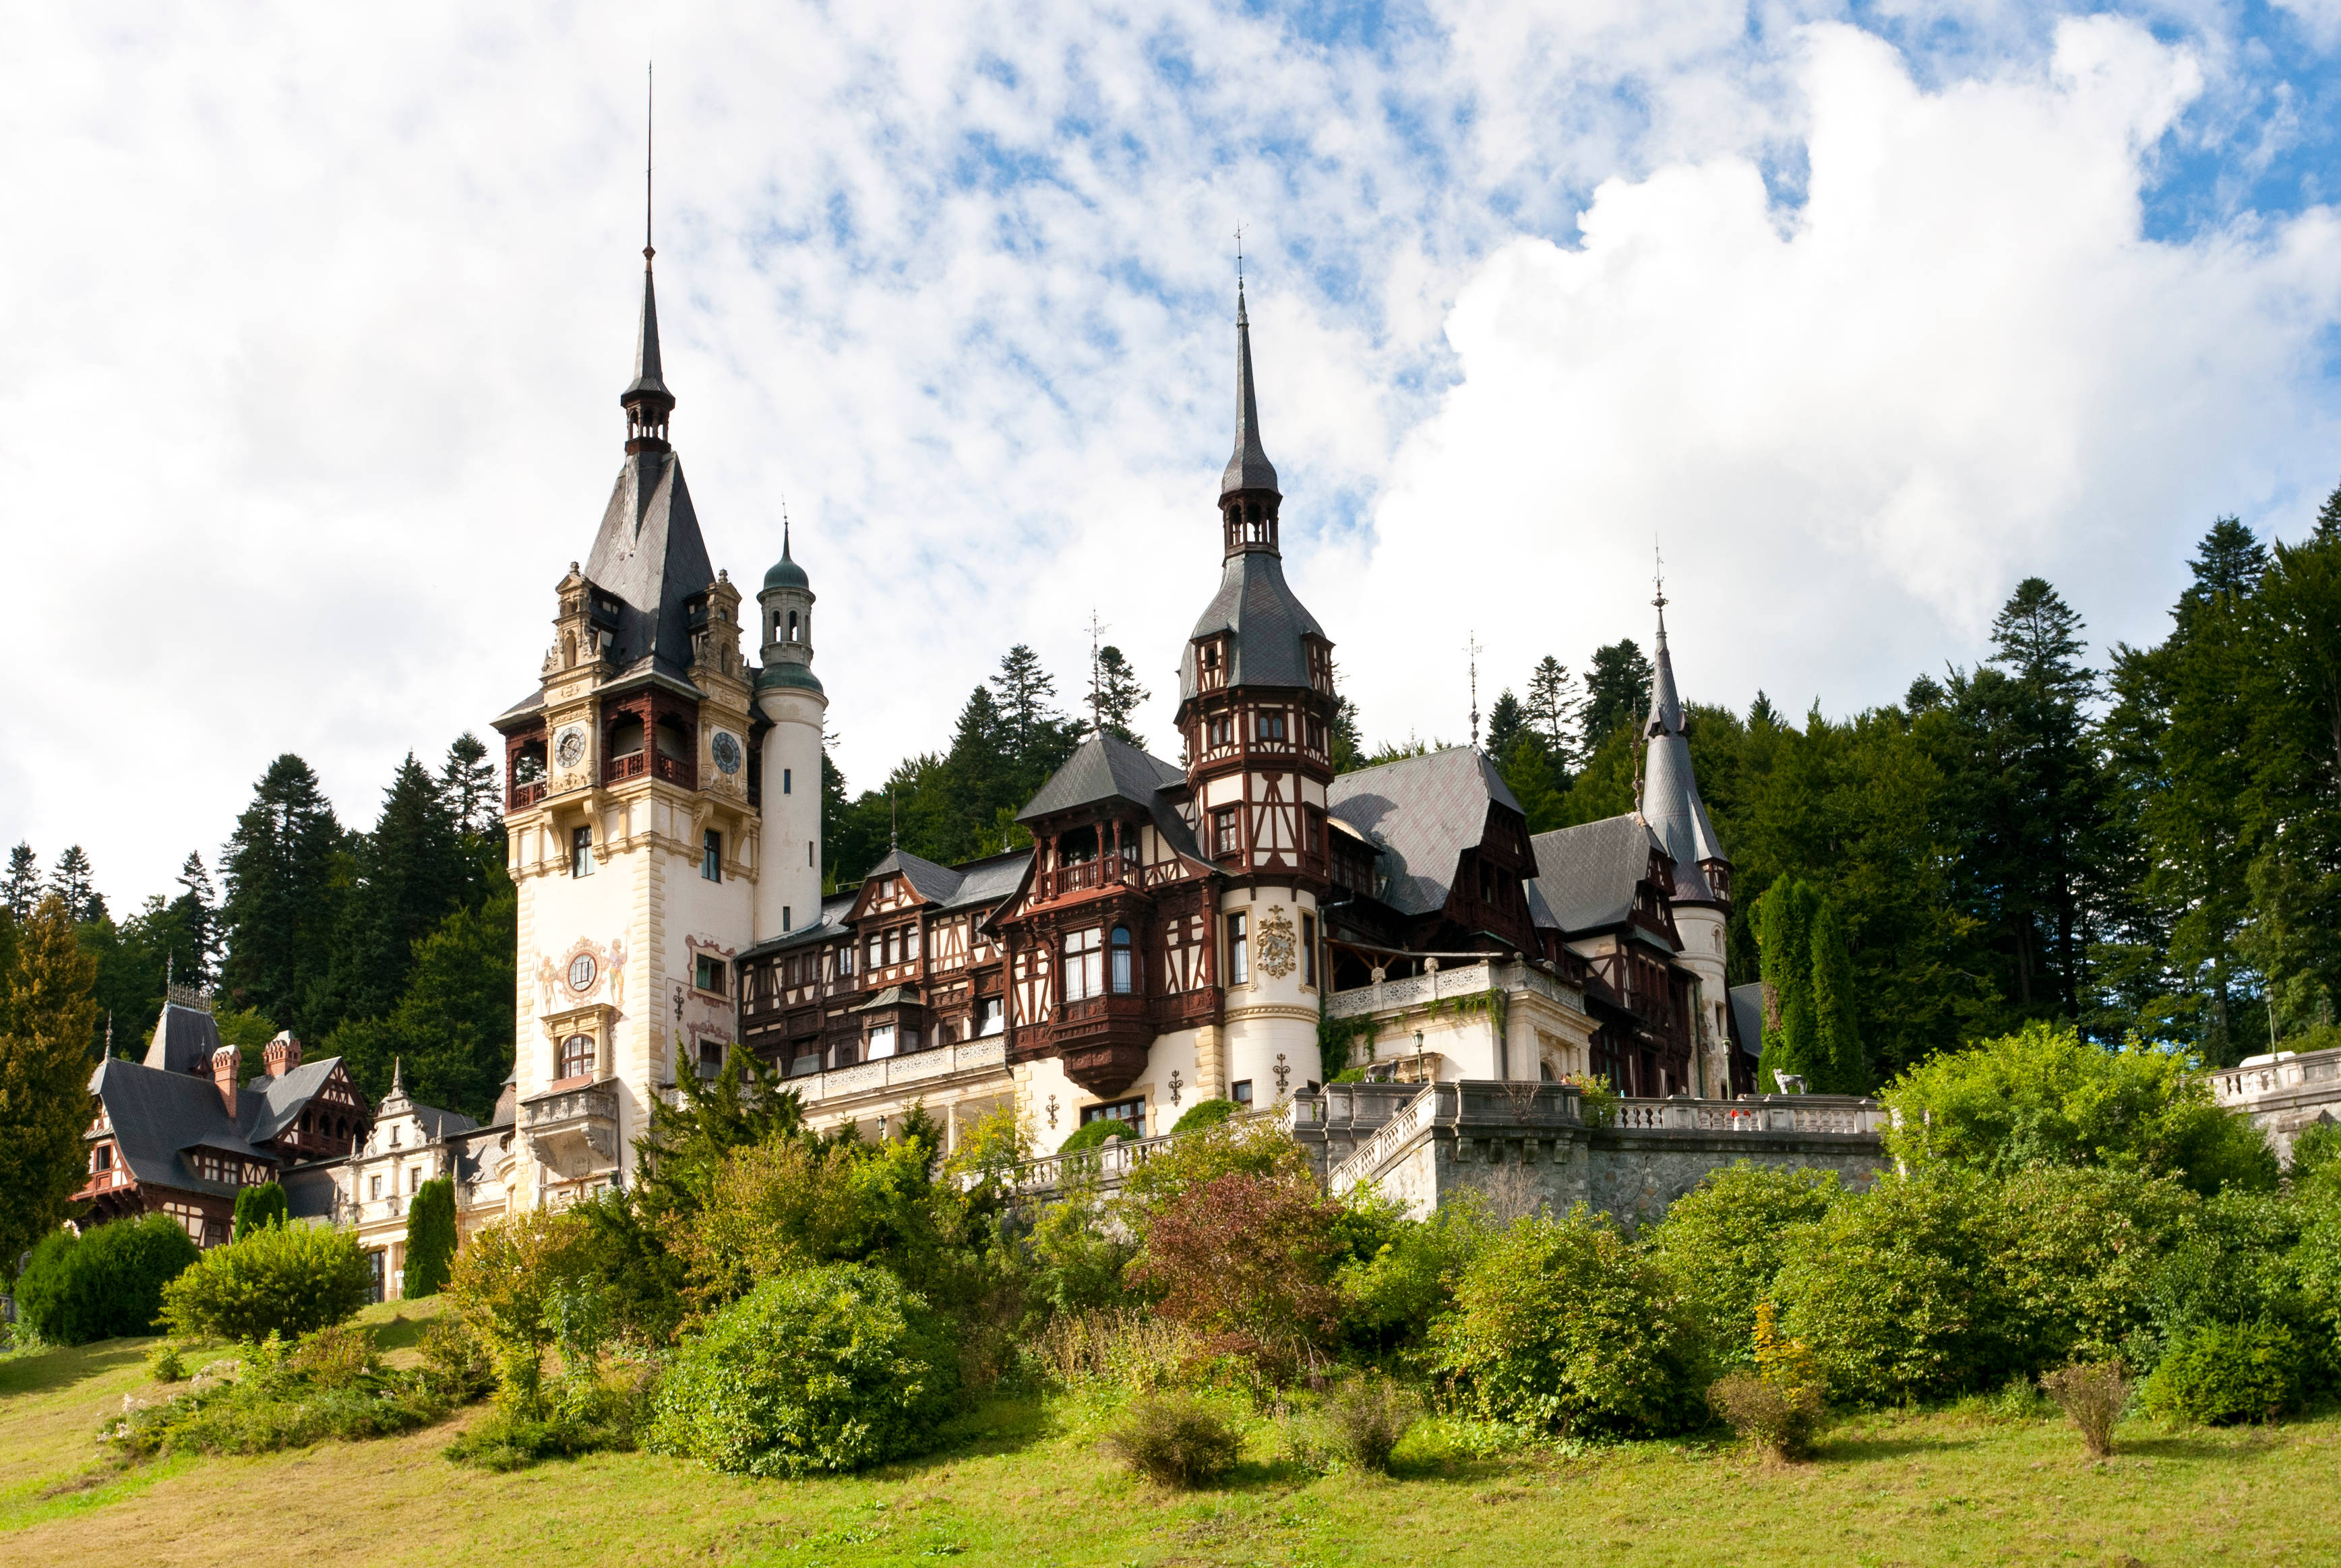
{"type": "Point", "coordinates": [282, 1054]}
{"type": "Point", "coordinates": [227, 1065]}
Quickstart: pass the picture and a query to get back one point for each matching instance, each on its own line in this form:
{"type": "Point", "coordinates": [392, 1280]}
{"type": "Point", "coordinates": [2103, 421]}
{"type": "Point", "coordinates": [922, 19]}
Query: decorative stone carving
{"type": "Point", "coordinates": [1280, 949]}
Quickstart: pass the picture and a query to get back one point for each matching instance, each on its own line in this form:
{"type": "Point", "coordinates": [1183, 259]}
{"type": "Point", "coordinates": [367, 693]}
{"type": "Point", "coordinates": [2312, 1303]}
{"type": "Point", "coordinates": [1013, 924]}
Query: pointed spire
{"type": "Point", "coordinates": [1250, 468]}
{"type": "Point", "coordinates": [397, 1075]}
{"type": "Point", "coordinates": [647, 402]}
{"type": "Point", "coordinates": [1668, 796]}
{"type": "Point", "coordinates": [1666, 708]}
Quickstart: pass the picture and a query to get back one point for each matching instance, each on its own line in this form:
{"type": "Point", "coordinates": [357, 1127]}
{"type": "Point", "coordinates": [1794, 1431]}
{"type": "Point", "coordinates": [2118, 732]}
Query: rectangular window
{"type": "Point", "coordinates": [581, 851]}
{"type": "Point", "coordinates": [1239, 951]}
{"type": "Point", "coordinates": [881, 1041]}
{"type": "Point", "coordinates": [1223, 830]}
{"type": "Point", "coordinates": [1308, 950]}
{"type": "Point", "coordinates": [784, 917]}
{"type": "Point", "coordinates": [894, 945]}
{"type": "Point", "coordinates": [845, 959]}
{"type": "Point", "coordinates": [1269, 725]}
{"type": "Point", "coordinates": [1131, 1111]}
{"type": "Point", "coordinates": [877, 950]}
{"type": "Point", "coordinates": [1084, 966]}
{"type": "Point", "coordinates": [710, 973]}
{"type": "Point", "coordinates": [413, 1178]}
{"type": "Point", "coordinates": [1241, 1093]}
{"type": "Point", "coordinates": [711, 1058]}
{"type": "Point", "coordinates": [100, 1158]}
{"type": "Point", "coordinates": [710, 857]}
{"type": "Point", "coordinates": [1313, 830]}
{"type": "Point", "coordinates": [787, 781]}
{"type": "Point", "coordinates": [373, 1187]}
{"type": "Point", "coordinates": [808, 851]}
{"type": "Point", "coordinates": [909, 944]}
{"type": "Point", "coordinates": [1316, 733]}
{"type": "Point", "coordinates": [990, 1018]}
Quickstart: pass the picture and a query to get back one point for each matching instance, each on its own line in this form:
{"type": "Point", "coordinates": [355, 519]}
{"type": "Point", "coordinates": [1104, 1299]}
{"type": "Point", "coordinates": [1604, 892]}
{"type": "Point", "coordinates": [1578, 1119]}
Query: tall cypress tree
{"type": "Point", "coordinates": [44, 1101]}
{"type": "Point", "coordinates": [1783, 926]}
{"type": "Point", "coordinates": [430, 1238]}
{"type": "Point", "coordinates": [282, 867]}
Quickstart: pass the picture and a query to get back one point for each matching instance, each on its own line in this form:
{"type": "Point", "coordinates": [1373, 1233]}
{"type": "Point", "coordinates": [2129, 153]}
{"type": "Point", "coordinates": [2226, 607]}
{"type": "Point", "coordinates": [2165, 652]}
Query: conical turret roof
{"type": "Point", "coordinates": [1671, 801]}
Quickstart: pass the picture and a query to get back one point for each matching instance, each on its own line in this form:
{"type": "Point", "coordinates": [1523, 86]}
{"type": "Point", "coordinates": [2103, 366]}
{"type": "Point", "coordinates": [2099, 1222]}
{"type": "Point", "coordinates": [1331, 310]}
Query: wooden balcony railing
{"type": "Point", "coordinates": [521, 797]}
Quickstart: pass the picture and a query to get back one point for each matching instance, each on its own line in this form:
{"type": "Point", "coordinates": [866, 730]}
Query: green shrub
{"type": "Point", "coordinates": [1725, 1240]}
{"type": "Point", "coordinates": [104, 1283]}
{"type": "Point", "coordinates": [282, 1279]}
{"type": "Point", "coordinates": [455, 1363]}
{"type": "Point", "coordinates": [1395, 1274]}
{"type": "Point", "coordinates": [1175, 1440]}
{"type": "Point", "coordinates": [1897, 1294]}
{"type": "Point", "coordinates": [430, 1238]}
{"type": "Point", "coordinates": [2045, 1096]}
{"type": "Point", "coordinates": [503, 1286]}
{"type": "Point", "coordinates": [2241, 1257]}
{"type": "Point", "coordinates": [257, 1206]}
{"type": "Point", "coordinates": [331, 1385]}
{"type": "Point", "coordinates": [1560, 1324]}
{"type": "Point", "coordinates": [1369, 1416]}
{"type": "Point", "coordinates": [2226, 1373]}
{"type": "Point", "coordinates": [822, 1369]}
{"type": "Point", "coordinates": [1094, 1134]}
{"type": "Point", "coordinates": [1776, 1400]}
{"type": "Point", "coordinates": [167, 1363]}
{"type": "Point", "coordinates": [2075, 1254]}
{"type": "Point", "coordinates": [1204, 1114]}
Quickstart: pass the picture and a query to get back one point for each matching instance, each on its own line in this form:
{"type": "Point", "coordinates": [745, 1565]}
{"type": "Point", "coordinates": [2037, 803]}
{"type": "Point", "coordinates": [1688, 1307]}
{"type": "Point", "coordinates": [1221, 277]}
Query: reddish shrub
{"type": "Point", "coordinates": [1246, 1262]}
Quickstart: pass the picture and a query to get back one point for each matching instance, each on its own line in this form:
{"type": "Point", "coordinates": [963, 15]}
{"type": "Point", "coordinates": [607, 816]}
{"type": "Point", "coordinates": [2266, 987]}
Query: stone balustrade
{"type": "Point", "coordinates": [1448, 984]}
{"type": "Point", "coordinates": [890, 1073]}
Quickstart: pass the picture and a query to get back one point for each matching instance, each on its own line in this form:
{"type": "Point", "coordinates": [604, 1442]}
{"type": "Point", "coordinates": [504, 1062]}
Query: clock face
{"type": "Point", "coordinates": [726, 747]}
{"type": "Point", "coordinates": [570, 747]}
{"type": "Point", "coordinates": [582, 971]}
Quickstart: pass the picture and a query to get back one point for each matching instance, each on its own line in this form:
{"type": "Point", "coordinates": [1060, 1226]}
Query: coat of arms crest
{"type": "Point", "coordinates": [1278, 951]}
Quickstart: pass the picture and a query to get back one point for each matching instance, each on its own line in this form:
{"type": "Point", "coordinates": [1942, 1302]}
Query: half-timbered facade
{"type": "Point", "coordinates": [181, 1132]}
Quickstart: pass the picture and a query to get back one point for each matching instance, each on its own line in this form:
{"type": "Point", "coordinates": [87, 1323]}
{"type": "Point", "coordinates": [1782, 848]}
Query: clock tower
{"type": "Point", "coordinates": [633, 821]}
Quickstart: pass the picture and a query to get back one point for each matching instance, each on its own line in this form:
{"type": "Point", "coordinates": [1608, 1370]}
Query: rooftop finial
{"type": "Point", "coordinates": [1472, 650]}
{"type": "Point", "coordinates": [650, 107]}
{"type": "Point", "coordinates": [784, 529]}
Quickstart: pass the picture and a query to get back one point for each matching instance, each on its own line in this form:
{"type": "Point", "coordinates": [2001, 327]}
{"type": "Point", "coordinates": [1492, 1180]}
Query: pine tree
{"type": "Point", "coordinates": [1617, 692]}
{"type": "Point", "coordinates": [2329, 516]}
{"type": "Point", "coordinates": [467, 781]}
{"type": "Point", "coordinates": [196, 911]}
{"type": "Point", "coordinates": [21, 889]}
{"type": "Point", "coordinates": [284, 862]}
{"type": "Point", "coordinates": [1507, 721]}
{"type": "Point", "coordinates": [1116, 695]}
{"type": "Point", "coordinates": [74, 881]}
{"type": "Point", "coordinates": [1925, 695]}
{"type": "Point", "coordinates": [1026, 699]}
{"type": "Point", "coordinates": [45, 1105]}
{"type": "Point", "coordinates": [412, 874]}
{"type": "Point", "coordinates": [1553, 710]}
{"type": "Point", "coordinates": [430, 1238]}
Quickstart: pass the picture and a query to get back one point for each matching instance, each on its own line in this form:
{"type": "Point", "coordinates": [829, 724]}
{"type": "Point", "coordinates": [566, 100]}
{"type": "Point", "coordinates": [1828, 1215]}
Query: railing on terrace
{"type": "Point", "coordinates": [585, 1102]}
{"type": "Point", "coordinates": [1112, 1161]}
{"type": "Point", "coordinates": [1444, 984]}
{"type": "Point", "coordinates": [2238, 1085]}
{"type": "Point", "coordinates": [891, 1071]}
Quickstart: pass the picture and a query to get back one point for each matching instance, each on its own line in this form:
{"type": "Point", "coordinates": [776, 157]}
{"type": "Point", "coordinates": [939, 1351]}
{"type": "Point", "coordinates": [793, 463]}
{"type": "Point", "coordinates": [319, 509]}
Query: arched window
{"type": "Point", "coordinates": [577, 1056]}
{"type": "Point", "coordinates": [793, 625]}
{"type": "Point", "coordinates": [1125, 962]}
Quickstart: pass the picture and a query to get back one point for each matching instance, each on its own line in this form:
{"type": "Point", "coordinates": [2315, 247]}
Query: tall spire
{"type": "Point", "coordinates": [1668, 799]}
{"type": "Point", "coordinates": [1250, 468]}
{"type": "Point", "coordinates": [647, 402]}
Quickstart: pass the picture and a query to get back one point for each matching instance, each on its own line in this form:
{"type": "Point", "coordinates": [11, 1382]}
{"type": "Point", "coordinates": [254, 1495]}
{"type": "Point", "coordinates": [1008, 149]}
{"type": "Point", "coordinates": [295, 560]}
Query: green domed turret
{"type": "Point", "coordinates": [786, 600]}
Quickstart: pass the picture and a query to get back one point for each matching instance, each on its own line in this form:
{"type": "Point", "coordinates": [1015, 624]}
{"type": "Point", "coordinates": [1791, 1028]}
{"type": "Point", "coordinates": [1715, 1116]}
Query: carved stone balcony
{"type": "Point", "coordinates": [1103, 1040]}
{"type": "Point", "coordinates": [572, 1129]}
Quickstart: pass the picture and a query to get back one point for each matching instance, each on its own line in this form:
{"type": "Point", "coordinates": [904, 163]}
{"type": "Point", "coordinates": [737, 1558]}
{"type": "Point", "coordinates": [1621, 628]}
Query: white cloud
{"type": "Point", "coordinates": [313, 328]}
{"type": "Point", "coordinates": [1855, 423]}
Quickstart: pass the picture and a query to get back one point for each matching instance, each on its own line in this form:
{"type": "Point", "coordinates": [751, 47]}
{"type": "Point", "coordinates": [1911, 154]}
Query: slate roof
{"type": "Point", "coordinates": [154, 1115]}
{"type": "Point", "coordinates": [1422, 813]}
{"type": "Point", "coordinates": [1249, 468]}
{"type": "Point", "coordinates": [185, 1039]}
{"type": "Point", "coordinates": [1587, 874]}
{"type": "Point", "coordinates": [935, 884]}
{"type": "Point", "coordinates": [1265, 623]}
{"type": "Point", "coordinates": [1103, 767]}
{"type": "Point", "coordinates": [649, 554]}
{"type": "Point", "coordinates": [1670, 799]}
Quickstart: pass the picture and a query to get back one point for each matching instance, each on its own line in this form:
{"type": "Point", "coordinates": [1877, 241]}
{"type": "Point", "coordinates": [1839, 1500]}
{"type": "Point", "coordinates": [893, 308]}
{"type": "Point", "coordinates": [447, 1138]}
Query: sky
{"type": "Point", "coordinates": [312, 321]}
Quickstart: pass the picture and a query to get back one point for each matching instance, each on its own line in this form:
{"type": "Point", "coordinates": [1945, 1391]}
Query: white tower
{"type": "Point", "coordinates": [790, 698]}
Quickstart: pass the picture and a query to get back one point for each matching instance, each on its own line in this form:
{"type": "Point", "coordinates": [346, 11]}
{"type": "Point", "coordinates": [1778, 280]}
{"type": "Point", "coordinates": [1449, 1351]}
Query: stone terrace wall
{"type": "Point", "coordinates": [1525, 1145]}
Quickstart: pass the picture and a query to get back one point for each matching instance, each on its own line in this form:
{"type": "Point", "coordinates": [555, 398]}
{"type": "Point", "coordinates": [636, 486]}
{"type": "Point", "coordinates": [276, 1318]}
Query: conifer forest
{"type": "Point", "coordinates": [2140, 842]}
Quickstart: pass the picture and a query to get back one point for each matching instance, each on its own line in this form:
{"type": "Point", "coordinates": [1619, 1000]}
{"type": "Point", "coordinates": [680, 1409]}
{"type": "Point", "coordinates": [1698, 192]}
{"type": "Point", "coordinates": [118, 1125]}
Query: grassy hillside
{"type": "Point", "coordinates": [1022, 1483]}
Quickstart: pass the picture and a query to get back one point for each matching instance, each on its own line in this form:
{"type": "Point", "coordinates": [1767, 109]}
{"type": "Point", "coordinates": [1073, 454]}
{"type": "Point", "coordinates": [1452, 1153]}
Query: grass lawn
{"type": "Point", "coordinates": [1022, 1482]}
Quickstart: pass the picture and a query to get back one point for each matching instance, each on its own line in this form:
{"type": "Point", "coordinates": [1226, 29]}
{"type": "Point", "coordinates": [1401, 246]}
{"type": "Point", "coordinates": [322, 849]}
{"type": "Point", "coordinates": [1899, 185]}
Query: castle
{"type": "Point", "coordinates": [1178, 931]}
